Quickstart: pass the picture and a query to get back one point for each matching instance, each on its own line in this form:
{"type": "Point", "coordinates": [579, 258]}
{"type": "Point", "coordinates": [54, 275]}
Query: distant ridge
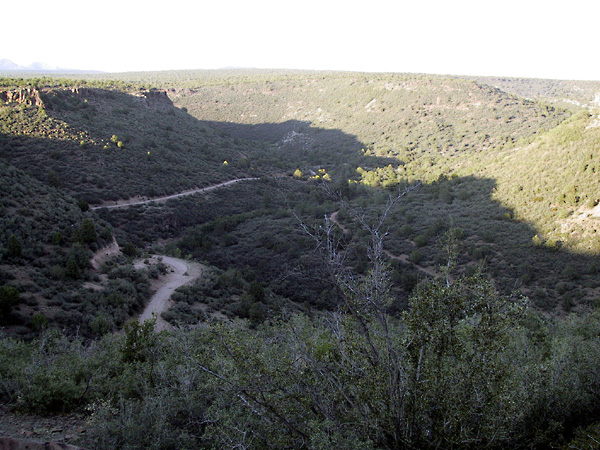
{"type": "Point", "coordinates": [6, 65]}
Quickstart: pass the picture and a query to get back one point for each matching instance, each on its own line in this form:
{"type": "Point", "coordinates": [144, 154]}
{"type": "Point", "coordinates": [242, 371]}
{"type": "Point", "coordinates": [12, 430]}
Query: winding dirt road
{"type": "Point", "coordinates": [334, 219]}
{"type": "Point", "coordinates": [180, 273]}
{"type": "Point", "coordinates": [139, 201]}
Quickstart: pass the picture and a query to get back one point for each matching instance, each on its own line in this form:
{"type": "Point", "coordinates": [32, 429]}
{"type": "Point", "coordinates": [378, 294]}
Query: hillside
{"type": "Point", "coordinates": [46, 241]}
{"type": "Point", "coordinates": [564, 191]}
{"type": "Point", "coordinates": [567, 93]}
{"type": "Point", "coordinates": [411, 261]}
{"type": "Point", "coordinates": [454, 134]}
{"type": "Point", "coordinates": [104, 145]}
{"type": "Point", "coordinates": [405, 117]}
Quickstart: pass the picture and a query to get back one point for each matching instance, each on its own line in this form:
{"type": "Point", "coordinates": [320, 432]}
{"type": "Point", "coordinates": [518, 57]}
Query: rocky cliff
{"type": "Point", "coordinates": [24, 96]}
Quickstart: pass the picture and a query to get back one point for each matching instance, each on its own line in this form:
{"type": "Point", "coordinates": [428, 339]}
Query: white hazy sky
{"type": "Point", "coordinates": [525, 38]}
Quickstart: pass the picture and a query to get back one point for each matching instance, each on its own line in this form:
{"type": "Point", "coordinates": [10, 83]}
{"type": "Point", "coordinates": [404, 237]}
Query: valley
{"type": "Point", "coordinates": [262, 259]}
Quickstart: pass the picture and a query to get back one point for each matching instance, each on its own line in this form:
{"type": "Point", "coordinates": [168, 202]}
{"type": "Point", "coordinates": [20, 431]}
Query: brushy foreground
{"type": "Point", "coordinates": [463, 368]}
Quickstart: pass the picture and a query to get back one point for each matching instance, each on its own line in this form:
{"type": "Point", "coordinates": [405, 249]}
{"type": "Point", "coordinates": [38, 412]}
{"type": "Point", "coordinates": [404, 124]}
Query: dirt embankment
{"type": "Point", "coordinates": [104, 254]}
{"type": "Point", "coordinates": [29, 432]}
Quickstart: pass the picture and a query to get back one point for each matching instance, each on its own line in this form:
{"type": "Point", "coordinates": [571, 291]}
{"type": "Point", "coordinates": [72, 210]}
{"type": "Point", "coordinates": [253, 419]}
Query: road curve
{"type": "Point", "coordinates": [181, 273]}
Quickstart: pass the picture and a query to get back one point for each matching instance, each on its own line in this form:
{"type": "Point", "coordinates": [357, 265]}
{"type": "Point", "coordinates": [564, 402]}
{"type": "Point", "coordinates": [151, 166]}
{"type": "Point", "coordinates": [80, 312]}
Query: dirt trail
{"type": "Point", "coordinates": [141, 201]}
{"type": "Point", "coordinates": [99, 258]}
{"type": "Point", "coordinates": [180, 273]}
{"type": "Point", "coordinates": [334, 219]}
{"type": "Point", "coordinates": [404, 258]}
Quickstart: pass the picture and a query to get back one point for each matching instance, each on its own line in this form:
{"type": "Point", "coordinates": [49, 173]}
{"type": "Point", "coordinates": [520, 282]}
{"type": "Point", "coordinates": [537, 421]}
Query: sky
{"type": "Point", "coordinates": [524, 38]}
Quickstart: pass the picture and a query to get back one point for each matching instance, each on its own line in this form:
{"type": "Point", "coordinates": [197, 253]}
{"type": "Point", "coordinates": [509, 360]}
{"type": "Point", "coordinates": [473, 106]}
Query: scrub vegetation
{"type": "Point", "coordinates": [410, 262]}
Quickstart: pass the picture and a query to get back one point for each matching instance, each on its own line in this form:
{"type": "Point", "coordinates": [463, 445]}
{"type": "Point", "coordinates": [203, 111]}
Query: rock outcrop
{"type": "Point", "coordinates": [156, 98]}
{"type": "Point", "coordinates": [24, 96]}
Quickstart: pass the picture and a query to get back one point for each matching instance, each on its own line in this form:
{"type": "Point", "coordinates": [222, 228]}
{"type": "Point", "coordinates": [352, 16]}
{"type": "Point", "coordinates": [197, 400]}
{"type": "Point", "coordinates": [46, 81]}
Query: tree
{"type": "Point", "coordinates": [13, 247]}
{"type": "Point", "coordinates": [87, 231]}
{"type": "Point", "coordinates": [80, 255]}
{"type": "Point", "coordinates": [9, 298]}
{"type": "Point", "coordinates": [140, 340]}
{"type": "Point", "coordinates": [315, 384]}
{"type": "Point", "coordinates": [83, 205]}
{"type": "Point", "coordinates": [38, 322]}
{"type": "Point", "coordinates": [72, 269]}
{"type": "Point", "coordinates": [53, 179]}
{"type": "Point", "coordinates": [129, 250]}
{"type": "Point", "coordinates": [57, 238]}
{"type": "Point", "coordinates": [256, 292]}
{"type": "Point", "coordinates": [458, 330]}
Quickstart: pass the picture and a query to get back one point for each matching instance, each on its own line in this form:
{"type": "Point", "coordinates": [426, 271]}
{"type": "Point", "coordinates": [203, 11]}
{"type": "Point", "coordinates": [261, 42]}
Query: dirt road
{"type": "Point", "coordinates": [142, 201]}
{"type": "Point", "coordinates": [334, 219]}
{"type": "Point", "coordinates": [180, 273]}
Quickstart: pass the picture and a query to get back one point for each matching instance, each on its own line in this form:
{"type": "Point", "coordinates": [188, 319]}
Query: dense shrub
{"type": "Point", "coordinates": [9, 298]}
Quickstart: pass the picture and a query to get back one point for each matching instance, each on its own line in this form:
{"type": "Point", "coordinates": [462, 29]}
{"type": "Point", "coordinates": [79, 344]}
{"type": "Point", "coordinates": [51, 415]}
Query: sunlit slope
{"type": "Point", "coordinates": [570, 93]}
{"type": "Point", "coordinates": [404, 116]}
{"type": "Point", "coordinates": [553, 183]}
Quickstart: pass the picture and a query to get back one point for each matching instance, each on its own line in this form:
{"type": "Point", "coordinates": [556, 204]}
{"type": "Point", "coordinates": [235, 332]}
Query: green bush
{"type": "Point", "coordinates": [405, 230]}
{"type": "Point", "coordinates": [38, 322]}
{"type": "Point", "coordinates": [54, 376]}
{"type": "Point", "coordinates": [87, 231]}
{"type": "Point", "coordinates": [9, 298]}
{"type": "Point", "coordinates": [570, 272]}
{"type": "Point", "coordinates": [420, 240]}
{"type": "Point", "coordinates": [415, 256]}
{"type": "Point", "coordinates": [14, 248]}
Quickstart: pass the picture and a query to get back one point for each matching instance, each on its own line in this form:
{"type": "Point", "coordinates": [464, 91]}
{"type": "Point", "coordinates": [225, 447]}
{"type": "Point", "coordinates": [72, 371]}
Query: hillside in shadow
{"type": "Point", "coordinates": [47, 239]}
{"type": "Point", "coordinates": [105, 145]}
{"type": "Point", "coordinates": [251, 229]}
{"type": "Point", "coordinates": [505, 246]}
